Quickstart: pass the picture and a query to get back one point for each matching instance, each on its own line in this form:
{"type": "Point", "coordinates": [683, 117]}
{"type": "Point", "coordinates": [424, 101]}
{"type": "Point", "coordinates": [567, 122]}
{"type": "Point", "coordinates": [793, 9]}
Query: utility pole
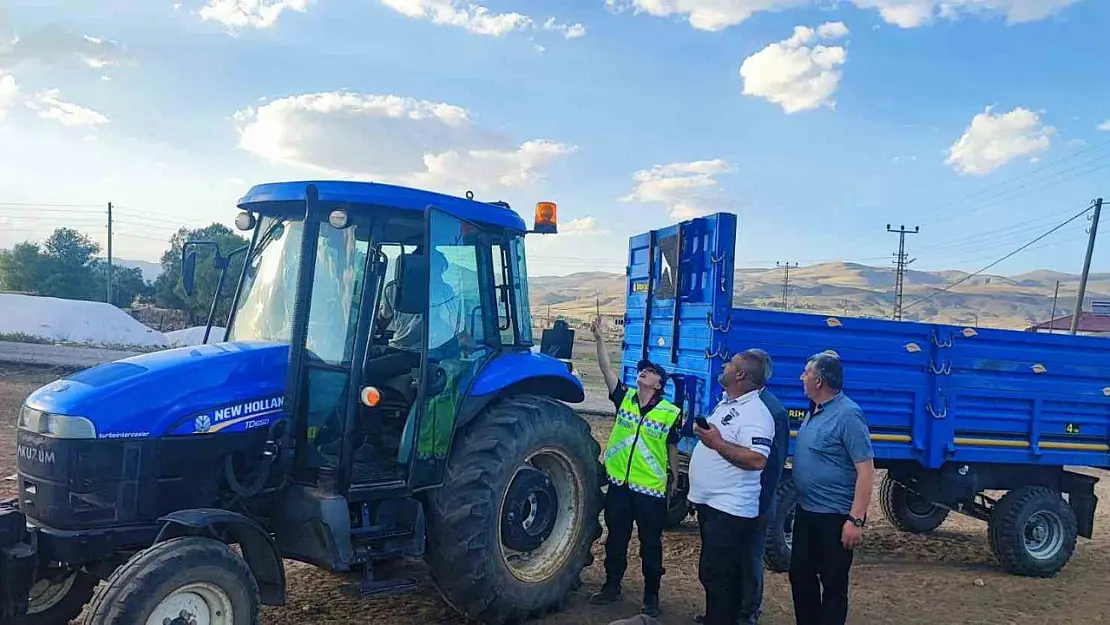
{"type": "Point", "coordinates": [900, 265]}
{"type": "Point", "coordinates": [1052, 318]}
{"type": "Point", "coordinates": [785, 283]}
{"type": "Point", "coordinates": [109, 252]}
{"type": "Point", "coordinates": [1086, 267]}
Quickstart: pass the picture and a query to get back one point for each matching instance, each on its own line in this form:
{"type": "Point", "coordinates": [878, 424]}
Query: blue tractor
{"type": "Point", "coordinates": [375, 396]}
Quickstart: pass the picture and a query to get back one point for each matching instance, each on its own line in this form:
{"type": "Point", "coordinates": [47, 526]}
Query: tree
{"type": "Point", "coordinates": [127, 284]}
{"type": "Point", "coordinates": [168, 290]}
{"type": "Point", "coordinates": [67, 270]}
{"type": "Point", "coordinates": [21, 268]}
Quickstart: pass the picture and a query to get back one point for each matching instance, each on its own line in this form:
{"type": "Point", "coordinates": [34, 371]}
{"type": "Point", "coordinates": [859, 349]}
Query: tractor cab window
{"type": "Point", "coordinates": [265, 311]}
{"type": "Point", "coordinates": [513, 318]}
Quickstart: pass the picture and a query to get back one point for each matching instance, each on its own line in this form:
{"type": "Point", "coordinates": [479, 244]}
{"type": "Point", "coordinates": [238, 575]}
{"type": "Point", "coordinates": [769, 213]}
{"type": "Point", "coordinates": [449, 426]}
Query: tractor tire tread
{"type": "Point", "coordinates": [463, 510]}
{"type": "Point", "coordinates": [776, 553]}
{"type": "Point", "coordinates": [70, 607]}
{"type": "Point", "coordinates": [118, 600]}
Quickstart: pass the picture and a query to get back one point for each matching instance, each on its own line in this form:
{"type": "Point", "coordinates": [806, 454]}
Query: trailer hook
{"type": "Point", "coordinates": [942, 414]}
{"type": "Point", "coordinates": [935, 338]}
{"type": "Point", "coordinates": [725, 327]}
{"type": "Point", "coordinates": [945, 368]}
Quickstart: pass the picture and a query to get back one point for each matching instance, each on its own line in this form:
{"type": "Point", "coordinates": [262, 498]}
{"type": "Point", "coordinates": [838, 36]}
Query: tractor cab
{"type": "Point", "coordinates": [375, 395]}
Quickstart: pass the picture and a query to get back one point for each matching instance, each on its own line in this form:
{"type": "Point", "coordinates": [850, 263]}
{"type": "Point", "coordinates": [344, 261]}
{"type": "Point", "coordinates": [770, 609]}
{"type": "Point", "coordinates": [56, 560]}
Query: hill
{"type": "Point", "coordinates": [851, 289]}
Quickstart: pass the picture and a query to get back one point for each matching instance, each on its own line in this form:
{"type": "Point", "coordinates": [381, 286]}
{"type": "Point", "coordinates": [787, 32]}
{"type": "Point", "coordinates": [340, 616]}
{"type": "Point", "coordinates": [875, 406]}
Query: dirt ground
{"type": "Point", "coordinates": [947, 577]}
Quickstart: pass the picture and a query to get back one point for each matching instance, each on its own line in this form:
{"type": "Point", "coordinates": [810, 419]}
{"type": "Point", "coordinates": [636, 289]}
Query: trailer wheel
{"type": "Point", "coordinates": [1034, 531]}
{"type": "Point", "coordinates": [57, 602]}
{"type": "Point", "coordinates": [183, 580]}
{"type": "Point", "coordinates": [908, 511]}
{"type": "Point", "coordinates": [678, 508]}
{"type": "Point", "coordinates": [780, 527]}
{"type": "Point", "coordinates": [511, 529]}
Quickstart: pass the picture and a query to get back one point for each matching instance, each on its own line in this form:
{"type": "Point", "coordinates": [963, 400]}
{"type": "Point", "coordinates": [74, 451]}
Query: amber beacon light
{"type": "Point", "coordinates": [547, 218]}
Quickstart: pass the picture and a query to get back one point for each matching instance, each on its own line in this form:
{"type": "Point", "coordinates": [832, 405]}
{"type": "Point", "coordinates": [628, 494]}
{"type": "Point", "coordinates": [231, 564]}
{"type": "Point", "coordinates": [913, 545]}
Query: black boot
{"type": "Point", "coordinates": [651, 605]}
{"type": "Point", "coordinates": [609, 593]}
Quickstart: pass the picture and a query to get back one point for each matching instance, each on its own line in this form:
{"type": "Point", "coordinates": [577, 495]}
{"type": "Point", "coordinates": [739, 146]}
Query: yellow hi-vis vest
{"type": "Point", "coordinates": [636, 454]}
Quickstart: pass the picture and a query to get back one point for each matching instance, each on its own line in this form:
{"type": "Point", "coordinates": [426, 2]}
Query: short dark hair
{"type": "Point", "coordinates": [828, 369]}
{"type": "Point", "coordinates": [752, 366]}
{"type": "Point", "coordinates": [768, 365]}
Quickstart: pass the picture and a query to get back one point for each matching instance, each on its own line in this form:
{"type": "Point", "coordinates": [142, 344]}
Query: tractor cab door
{"type": "Point", "coordinates": [461, 332]}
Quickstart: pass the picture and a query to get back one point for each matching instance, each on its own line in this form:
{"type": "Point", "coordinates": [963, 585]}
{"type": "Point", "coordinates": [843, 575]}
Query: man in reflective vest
{"type": "Point", "coordinates": [642, 447]}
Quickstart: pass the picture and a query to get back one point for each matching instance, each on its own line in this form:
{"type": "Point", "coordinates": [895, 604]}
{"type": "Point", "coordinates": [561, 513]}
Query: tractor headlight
{"type": "Point", "coordinates": [55, 425]}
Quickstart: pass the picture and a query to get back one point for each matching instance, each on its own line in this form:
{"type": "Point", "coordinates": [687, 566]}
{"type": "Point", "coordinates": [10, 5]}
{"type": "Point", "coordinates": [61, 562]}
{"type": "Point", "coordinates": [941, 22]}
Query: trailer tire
{"type": "Point", "coordinates": [907, 511]}
{"type": "Point", "coordinates": [1034, 531]}
{"type": "Point", "coordinates": [62, 602]}
{"type": "Point", "coordinates": [780, 527]}
{"type": "Point", "coordinates": [678, 508]}
{"type": "Point", "coordinates": [525, 456]}
{"type": "Point", "coordinates": [180, 574]}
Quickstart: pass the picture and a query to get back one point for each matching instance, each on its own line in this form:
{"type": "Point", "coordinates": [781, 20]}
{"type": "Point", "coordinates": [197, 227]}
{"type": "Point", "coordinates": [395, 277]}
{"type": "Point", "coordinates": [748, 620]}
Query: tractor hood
{"type": "Point", "coordinates": [190, 390]}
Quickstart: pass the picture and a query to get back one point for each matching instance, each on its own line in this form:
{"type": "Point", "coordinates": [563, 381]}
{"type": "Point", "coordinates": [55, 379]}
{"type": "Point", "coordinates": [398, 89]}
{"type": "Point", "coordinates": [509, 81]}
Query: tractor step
{"type": "Point", "coordinates": [371, 587]}
{"type": "Point", "coordinates": [376, 533]}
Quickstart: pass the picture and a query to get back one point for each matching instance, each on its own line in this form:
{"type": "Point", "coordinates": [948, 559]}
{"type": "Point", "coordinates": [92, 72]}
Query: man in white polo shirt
{"type": "Point", "coordinates": [725, 484]}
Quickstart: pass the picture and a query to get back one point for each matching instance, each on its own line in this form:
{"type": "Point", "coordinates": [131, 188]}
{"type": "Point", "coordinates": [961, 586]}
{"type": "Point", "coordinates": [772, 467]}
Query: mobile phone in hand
{"type": "Point", "coordinates": [701, 422]}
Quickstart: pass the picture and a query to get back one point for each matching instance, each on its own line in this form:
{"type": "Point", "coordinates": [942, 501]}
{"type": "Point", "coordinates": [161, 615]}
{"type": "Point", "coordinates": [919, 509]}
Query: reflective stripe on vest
{"type": "Point", "coordinates": [636, 454]}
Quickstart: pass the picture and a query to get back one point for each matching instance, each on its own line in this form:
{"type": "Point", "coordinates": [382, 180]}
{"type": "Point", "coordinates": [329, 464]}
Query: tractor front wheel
{"type": "Point", "coordinates": [189, 580]}
{"type": "Point", "coordinates": [58, 601]}
{"type": "Point", "coordinates": [511, 529]}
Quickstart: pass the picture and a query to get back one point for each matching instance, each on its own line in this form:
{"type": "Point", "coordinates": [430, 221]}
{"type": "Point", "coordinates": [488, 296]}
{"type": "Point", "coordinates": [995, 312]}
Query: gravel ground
{"type": "Point", "coordinates": [947, 577]}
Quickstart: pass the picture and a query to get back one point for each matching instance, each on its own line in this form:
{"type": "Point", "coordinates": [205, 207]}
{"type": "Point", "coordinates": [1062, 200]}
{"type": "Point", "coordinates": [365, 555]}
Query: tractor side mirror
{"type": "Point", "coordinates": [188, 272]}
{"type": "Point", "coordinates": [411, 295]}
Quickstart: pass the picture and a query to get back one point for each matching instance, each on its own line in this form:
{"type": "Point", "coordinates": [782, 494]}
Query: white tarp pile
{"type": "Point", "coordinates": [73, 321]}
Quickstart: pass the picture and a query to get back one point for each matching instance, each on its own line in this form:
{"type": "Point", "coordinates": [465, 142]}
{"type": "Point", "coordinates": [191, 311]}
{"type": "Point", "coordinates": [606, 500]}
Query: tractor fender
{"type": "Point", "coordinates": [259, 548]}
{"type": "Point", "coordinates": [520, 373]}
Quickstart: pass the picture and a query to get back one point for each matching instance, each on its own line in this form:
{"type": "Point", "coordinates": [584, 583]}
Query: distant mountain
{"type": "Point", "coordinates": [150, 270]}
{"type": "Point", "coordinates": [854, 290]}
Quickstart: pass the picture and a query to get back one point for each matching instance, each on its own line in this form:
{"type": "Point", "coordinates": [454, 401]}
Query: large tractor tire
{"type": "Point", "coordinates": [780, 527]}
{"type": "Point", "coordinates": [183, 580]}
{"type": "Point", "coordinates": [59, 601]}
{"type": "Point", "coordinates": [511, 529]}
{"type": "Point", "coordinates": [1033, 532]}
{"type": "Point", "coordinates": [908, 511]}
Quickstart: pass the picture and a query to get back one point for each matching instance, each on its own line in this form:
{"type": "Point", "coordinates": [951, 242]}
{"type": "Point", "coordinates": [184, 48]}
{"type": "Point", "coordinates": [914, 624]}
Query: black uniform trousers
{"type": "Point", "coordinates": [726, 544]}
{"type": "Point", "coordinates": [819, 567]}
{"type": "Point", "coordinates": [624, 506]}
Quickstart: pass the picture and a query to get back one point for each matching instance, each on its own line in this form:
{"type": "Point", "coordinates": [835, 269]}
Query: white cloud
{"type": "Point", "coordinates": [792, 74]}
{"type": "Point", "coordinates": [473, 17]}
{"type": "Point", "coordinates": [50, 105]}
{"type": "Point", "coordinates": [1105, 126]}
{"type": "Point", "coordinates": [250, 13]}
{"type": "Point", "coordinates": [55, 45]}
{"type": "Point", "coordinates": [914, 13]}
{"type": "Point", "coordinates": [478, 19]}
{"type": "Point", "coordinates": [991, 141]}
{"type": "Point", "coordinates": [688, 190]}
{"type": "Point", "coordinates": [584, 226]}
{"type": "Point", "coordinates": [569, 31]}
{"type": "Point", "coordinates": [9, 94]}
{"type": "Point", "coordinates": [392, 139]}
{"type": "Point", "coordinates": [710, 15]}
{"type": "Point", "coordinates": [715, 15]}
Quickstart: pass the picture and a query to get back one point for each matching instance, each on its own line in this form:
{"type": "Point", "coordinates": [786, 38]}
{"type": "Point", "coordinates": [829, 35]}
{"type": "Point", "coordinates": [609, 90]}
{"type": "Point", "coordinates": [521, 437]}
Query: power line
{"type": "Point", "coordinates": [1000, 260]}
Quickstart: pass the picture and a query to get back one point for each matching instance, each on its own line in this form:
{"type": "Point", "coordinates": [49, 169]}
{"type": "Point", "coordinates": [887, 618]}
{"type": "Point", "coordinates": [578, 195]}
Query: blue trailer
{"type": "Point", "coordinates": [955, 413]}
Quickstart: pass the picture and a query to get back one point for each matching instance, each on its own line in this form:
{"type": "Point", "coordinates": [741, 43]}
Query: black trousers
{"type": "Point", "coordinates": [726, 544]}
{"type": "Point", "coordinates": [623, 507]}
{"type": "Point", "coordinates": [819, 567]}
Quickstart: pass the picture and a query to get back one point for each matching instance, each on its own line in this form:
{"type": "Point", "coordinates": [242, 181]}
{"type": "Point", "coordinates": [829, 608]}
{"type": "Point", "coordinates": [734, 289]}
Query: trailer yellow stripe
{"type": "Point", "coordinates": [882, 438]}
{"type": "Point", "coordinates": [1076, 446]}
{"type": "Point", "coordinates": [991, 442]}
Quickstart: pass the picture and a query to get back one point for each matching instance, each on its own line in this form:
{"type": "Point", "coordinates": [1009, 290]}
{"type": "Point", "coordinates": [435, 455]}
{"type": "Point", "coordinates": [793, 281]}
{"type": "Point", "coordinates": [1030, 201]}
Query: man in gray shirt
{"type": "Point", "coordinates": [834, 473]}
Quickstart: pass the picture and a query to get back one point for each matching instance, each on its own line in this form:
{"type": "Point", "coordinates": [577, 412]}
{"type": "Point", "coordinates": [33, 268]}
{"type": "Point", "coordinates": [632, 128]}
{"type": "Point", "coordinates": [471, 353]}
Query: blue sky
{"type": "Point", "coordinates": [631, 114]}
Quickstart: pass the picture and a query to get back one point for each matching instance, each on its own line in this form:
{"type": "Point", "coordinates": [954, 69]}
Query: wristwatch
{"type": "Point", "coordinates": [857, 522]}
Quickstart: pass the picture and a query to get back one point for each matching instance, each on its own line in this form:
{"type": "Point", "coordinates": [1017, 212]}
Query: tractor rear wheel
{"type": "Point", "coordinates": [59, 601]}
{"type": "Point", "coordinates": [511, 529]}
{"type": "Point", "coordinates": [908, 511]}
{"type": "Point", "coordinates": [183, 580]}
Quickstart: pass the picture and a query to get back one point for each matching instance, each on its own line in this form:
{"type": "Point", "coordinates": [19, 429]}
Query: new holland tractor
{"type": "Point", "coordinates": [375, 396]}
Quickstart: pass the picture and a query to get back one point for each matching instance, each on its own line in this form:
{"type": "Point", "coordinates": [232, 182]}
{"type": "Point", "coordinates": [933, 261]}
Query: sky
{"type": "Point", "coordinates": [986, 123]}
